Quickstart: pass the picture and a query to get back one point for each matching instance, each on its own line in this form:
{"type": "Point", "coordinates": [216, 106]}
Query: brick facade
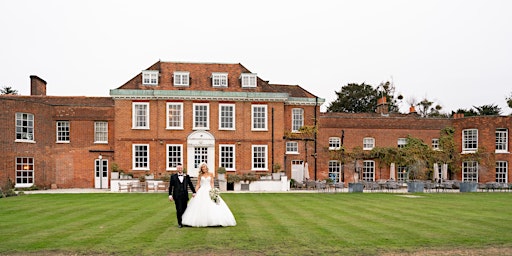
{"type": "Point", "coordinates": [72, 164]}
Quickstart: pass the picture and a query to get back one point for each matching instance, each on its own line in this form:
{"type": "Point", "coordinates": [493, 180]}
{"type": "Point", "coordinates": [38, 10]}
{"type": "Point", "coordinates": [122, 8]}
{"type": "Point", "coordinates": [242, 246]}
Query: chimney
{"type": "Point", "coordinates": [412, 110]}
{"type": "Point", "coordinates": [37, 86]}
{"type": "Point", "coordinates": [382, 106]}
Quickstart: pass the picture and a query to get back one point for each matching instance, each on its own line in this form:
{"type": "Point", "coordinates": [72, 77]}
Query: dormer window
{"type": "Point", "coordinates": [220, 79]}
{"type": "Point", "coordinates": [181, 78]}
{"type": "Point", "coordinates": [150, 77]}
{"type": "Point", "coordinates": [248, 80]}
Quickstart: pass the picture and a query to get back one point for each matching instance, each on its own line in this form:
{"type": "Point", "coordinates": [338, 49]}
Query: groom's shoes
{"type": "Point", "coordinates": [180, 226]}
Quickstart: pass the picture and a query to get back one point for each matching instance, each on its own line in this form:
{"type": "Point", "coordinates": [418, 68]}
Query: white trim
{"type": "Point", "coordinates": [194, 125]}
{"type": "Point", "coordinates": [167, 168]}
{"type": "Point", "coordinates": [234, 156]}
{"type": "Point", "coordinates": [265, 124]}
{"type": "Point", "coordinates": [233, 117]}
{"type": "Point", "coordinates": [133, 158]}
{"type": "Point", "coordinates": [153, 75]}
{"type": "Point", "coordinates": [134, 116]}
{"type": "Point", "coordinates": [265, 147]}
{"type": "Point", "coordinates": [222, 78]}
{"type": "Point", "coordinates": [184, 80]}
{"type": "Point", "coordinates": [248, 80]}
{"type": "Point", "coordinates": [168, 127]}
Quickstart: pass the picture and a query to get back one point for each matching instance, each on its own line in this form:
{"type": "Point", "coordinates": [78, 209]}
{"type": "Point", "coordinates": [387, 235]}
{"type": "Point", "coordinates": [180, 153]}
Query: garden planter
{"type": "Point", "coordinates": [468, 186]}
{"type": "Point", "coordinates": [355, 187]}
{"type": "Point", "coordinates": [415, 187]}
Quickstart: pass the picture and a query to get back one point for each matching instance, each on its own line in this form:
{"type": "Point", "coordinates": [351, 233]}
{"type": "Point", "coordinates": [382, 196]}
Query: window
{"type": "Point", "coordinates": [402, 174]}
{"type": "Point", "coordinates": [368, 143]}
{"type": "Point", "coordinates": [435, 144]}
{"type": "Point", "coordinates": [469, 140]}
{"type": "Point", "coordinates": [501, 140]}
{"type": "Point", "coordinates": [24, 171]}
{"type": "Point", "coordinates": [227, 156]}
{"type": "Point", "coordinates": [259, 117]}
{"type": "Point", "coordinates": [24, 127]}
{"type": "Point", "coordinates": [334, 143]}
{"type": "Point", "coordinates": [150, 77]}
{"type": "Point", "coordinates": [470, 171]}
{"type": "Point", "coordinates": [140, 157]}
{"type": "Point", "coordinates": [502, 171]}
{"type": "Point", "coordinates": [402, 142]}
{"type": "Point", "coordinates": [140, 112]}
{"type": "Point", "coordinates": [174, 156]}
{"type": "Point", "coordinates": [220, 79]}
{"type": "Point", "coordinates": [174, 115]}
{"type": "Point", "coordinates": [334, 170]}
{"type": "Point", "coordinates": [368, 170]}
{"type": "Point", "coordinates": [181, 78]}
{"type": "Point", "coordinates": [297, 119]}
{"type": "Point", "coordinates": [62, 131]}
{"type": "Point", "coordinates": [226, 117]}
{"type": "Point", "coordinates": [292, 147]}
{"type": "Point", "coordinates": [248, 80]}
{"type": "Point", "coordinates": [259, 158]}
{"type": "Point", "coordinates": [100, 132]}
{"type": "Point", "coordinates": [201, 117]}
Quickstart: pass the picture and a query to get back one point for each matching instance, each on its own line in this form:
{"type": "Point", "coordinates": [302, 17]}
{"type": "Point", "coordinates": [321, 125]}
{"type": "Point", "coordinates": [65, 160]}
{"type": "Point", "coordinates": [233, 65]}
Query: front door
{"type": "Point", "coordinates": [200, 148]}
{"type": "Point", "coordinates": [100, 173]}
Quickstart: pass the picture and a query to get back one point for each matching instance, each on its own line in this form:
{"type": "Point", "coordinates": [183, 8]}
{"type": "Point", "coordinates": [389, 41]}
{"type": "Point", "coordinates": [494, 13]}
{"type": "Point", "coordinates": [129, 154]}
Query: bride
{"type": "Point", "coordinates": [202, 211]}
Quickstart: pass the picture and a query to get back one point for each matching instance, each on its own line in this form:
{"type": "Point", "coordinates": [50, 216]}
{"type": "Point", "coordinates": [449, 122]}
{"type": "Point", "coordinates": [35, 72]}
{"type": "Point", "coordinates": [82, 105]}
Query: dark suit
{"type": "Point", "coordinates": [179, 193]}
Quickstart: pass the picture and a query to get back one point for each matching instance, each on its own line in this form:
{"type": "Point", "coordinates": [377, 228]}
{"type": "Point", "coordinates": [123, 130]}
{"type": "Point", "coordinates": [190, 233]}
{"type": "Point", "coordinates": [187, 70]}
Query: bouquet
{"type": "Point", "coordinates": [214, 195]}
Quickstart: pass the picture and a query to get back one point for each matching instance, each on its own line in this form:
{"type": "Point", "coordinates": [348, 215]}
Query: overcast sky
{"type": "Point", "coordinates": [456, 53]}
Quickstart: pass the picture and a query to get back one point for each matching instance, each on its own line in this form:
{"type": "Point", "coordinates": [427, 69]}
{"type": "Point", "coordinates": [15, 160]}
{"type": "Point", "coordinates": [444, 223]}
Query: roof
{"type": "Point", "coordinates": [200, 79]}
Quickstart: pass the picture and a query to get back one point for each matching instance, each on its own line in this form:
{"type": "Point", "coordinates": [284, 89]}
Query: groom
{"type": "Point", "coordinates": [178, 191]}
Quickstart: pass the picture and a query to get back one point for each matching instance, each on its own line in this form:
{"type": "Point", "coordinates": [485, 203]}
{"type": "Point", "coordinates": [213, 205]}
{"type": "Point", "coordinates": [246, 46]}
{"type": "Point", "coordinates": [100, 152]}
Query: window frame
{"type": "Point", "coordinates": [24, 127]}
{"type": "Point", "coordinates": [229, 165]}
{"type": "Point", "coordinates": [260, 121]}
{"type": "Point", "coordinates": [100, 132]}
{"type": "Point", "coordinates": [135, 115]}
{"type": "Point", "coordinates": [196, 123]}
{"type": "Point", "coordinates": [263, 165]}
{"type": "Point", "coordinates": [502, 171]}
{"type": "Point", "coordinates": [435, 144]}
{"type": "Point", "coordinates": [333, 141]}
{"type": "Point", "coordinates": [223, 116]}
{"type": "Point", "coordinates": [292, 148]}
{"type": "Point", "coordinates": [469, 171]}
{"type": "Point", "coordinates": [150, 77]}
{"type": "Point", "coordinates": [24, 172]}
{"type": "Point", "coordinates": [168, 116]}
{"type": "Point", "coordinates": [469, 140]}
{"type": "Point", "coordinates": [401, 142]}
{"type": "Point", "coordinates": [297, 119]}
{"type": "Point", "coordinates": [178, 157]}
{"type": "Point", "coordinates": [334, 170]}
{"type": "Point", "coordinates": [501, 140]}
{"type": "Point", "coordinates": [221, 78]}
{"type": "Point", "coordinates": [249, 80]}
{"type": "Point", "coordinates": [368, 143]}
{"type": "Point", "coordinates": [368, 170]}
{"type": "Point", "coordinates": [181, 78]}
{"type": "Point", "coordinates": [62, 131]}
{"type": "Point", "coordinates": [136, 158]}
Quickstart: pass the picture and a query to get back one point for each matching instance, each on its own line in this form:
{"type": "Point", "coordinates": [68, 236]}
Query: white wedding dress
{"type": "Point", "coordinates": [203, 212]}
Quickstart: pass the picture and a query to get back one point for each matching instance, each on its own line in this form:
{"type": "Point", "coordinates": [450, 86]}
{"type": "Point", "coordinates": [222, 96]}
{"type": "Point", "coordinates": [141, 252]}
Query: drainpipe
{"type": "Point", "coordinates": [272, 166]}
{"type": "Point", "coordinates": [316, 105]}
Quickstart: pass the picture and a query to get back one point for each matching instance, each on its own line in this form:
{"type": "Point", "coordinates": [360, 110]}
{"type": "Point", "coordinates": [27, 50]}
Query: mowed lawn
{"type": "Point", "coordinates": [267, 224]}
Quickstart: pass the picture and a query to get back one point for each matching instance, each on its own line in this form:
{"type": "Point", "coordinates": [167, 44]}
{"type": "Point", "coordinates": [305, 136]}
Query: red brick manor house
{"type": "Point", "coordinates": [224, 115]}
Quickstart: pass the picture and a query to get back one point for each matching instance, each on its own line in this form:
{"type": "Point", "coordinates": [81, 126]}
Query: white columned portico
{"type": "Point", "coordinates": [200, 148]}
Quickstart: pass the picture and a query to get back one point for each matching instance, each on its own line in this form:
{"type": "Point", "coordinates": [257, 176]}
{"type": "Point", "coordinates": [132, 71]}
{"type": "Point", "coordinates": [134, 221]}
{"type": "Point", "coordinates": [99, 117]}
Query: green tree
{"type": "Point", "coordinates": [509, 100]}
{"type": "Point", "coordinates": [426, 108]}
{"type": "Point", "coordinates": [8, 90]}
{"type": "Point", "coordinates": [354, 98]}
{"type": "Point", "coordinates": [488, 110]}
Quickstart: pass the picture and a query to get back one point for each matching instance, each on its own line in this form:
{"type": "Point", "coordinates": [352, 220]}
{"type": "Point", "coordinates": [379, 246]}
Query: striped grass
{"type": "Point", "coordinates": [267, 224]}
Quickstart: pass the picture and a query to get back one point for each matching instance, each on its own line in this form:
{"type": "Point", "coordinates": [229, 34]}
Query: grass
{"type": "Point", "coordinates": [267, 224]}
